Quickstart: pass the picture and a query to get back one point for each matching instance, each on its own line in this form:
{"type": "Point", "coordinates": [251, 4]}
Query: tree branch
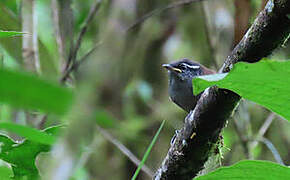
{"type": "Point", "coordinates": [195, 141]}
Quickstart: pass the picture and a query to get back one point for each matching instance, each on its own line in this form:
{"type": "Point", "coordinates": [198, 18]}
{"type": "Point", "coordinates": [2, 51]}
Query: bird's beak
{"type": "Point", "coordinates": [171, 68]}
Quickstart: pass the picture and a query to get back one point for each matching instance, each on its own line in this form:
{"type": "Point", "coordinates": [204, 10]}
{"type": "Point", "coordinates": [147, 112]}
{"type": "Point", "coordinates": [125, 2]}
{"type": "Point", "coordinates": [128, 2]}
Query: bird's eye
{"type": "Point", "coordinates": [182, 66]}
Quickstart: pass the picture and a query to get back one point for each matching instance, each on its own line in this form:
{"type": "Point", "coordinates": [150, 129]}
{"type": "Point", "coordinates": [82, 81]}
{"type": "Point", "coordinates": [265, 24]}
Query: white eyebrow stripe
{"type": "Point", "coordinates": [194, 67]}
{"type": "Point", "coordinates": [191, 66]}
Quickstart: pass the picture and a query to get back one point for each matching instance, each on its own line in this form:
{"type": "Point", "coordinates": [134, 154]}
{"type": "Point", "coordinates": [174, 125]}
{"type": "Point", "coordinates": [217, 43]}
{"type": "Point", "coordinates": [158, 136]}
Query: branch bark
{"type": "Point", "coordinates": [196, 141]}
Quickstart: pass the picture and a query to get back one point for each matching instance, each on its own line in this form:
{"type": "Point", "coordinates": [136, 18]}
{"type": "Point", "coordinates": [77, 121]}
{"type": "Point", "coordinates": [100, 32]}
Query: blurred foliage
{"type": "Point", "coordinates": [21, 155]}
{"type": "Point", "coordinates": [30, 133]}
{"type": "Point", "coordinates": [120, 86]}
{"type": "Point", "coordinates": [35, 93]}
{"type": "Point", "coordinates": [9, 33]}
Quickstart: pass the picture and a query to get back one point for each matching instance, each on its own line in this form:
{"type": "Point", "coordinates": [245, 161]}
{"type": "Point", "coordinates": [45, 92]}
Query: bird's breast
{"type": "Point", "coordinates": [181, 94]}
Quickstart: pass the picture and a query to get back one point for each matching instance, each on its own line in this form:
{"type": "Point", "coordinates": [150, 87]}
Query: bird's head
{"type": "Point", "coordinates": [186, 69]}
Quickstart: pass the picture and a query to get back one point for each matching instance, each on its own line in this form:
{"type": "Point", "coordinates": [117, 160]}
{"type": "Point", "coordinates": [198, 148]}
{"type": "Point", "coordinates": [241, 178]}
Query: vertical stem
{"type": "Point", "coordinates": [29, 41]}
{"type": "Point", "coordinates": [57, 32]}
{"type": "Point", "coordinates": [35, 38]}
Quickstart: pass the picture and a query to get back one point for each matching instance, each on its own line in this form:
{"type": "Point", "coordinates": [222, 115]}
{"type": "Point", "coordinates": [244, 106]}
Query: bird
{"type": "Point", "coordinates": [181, 73]}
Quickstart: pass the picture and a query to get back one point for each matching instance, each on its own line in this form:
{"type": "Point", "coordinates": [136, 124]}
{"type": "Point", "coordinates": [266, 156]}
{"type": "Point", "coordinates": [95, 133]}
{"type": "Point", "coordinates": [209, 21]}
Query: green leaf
{"type": "Point", "coordinates": [30, 92]}
{"type": "Point", "coordinates": [148, 151]}
{"type": "Point", "coordinates": [29, 133]}
{"type": "Point", "coordinates": [10, 33]}
{"type": "Point", "coordinates": [266, 83]}
{"type": "Point", "coordinates": [249, 170]}
{"type": "Point", "coordinates": [5, 173]}
{"type": "Point", "coordinates": [21, 155]}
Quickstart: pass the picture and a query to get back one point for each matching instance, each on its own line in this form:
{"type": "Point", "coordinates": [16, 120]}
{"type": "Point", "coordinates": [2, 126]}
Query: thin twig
{"type": "Point", "coordinates": [75, 48]}
{"type": "Point", "coordinates": [266, 124]}
{"type": "Point", "coordinates": [210, 43]}
{"type": "Point", "coordinates": [272, 148]}
{"type": "Point", "coordinates": [159, 10]}
{"type": "Point", "coordinates": [125, 151]}
{"type": "Point", "coordinates": [59, 39]}
{"type": "Point", "coordinates": [76, 64]}
{"type": "Point", "coordinates": [263, 129]}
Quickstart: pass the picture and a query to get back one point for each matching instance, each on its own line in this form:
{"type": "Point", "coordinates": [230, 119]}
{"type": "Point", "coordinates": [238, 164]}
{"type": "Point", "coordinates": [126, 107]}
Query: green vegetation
{"type": "Point", "coordinates": [249, 170]}
{"type": "Point", "coordinates": [84, 79]}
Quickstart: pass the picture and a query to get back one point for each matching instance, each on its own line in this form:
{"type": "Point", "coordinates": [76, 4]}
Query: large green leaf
{"type": "Point", "coordinates": [5, 173]}
{"type": "Point", "coordinates": [266, 83]}
{"type": "Point", "coordinates": [29, 133]}
{"type": "Point", "coordinates": [9, 33]}
{"type": "Point", "coordinates": [21, 155]}
{"type": "Point", "coordinates": [250, 170]}
{"type": "Point", "coordinates": [28, 91]}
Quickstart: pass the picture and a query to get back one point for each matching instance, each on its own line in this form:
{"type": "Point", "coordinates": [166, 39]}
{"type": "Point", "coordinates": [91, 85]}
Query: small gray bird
{"type": "Point", "coordinates": [180, 82]}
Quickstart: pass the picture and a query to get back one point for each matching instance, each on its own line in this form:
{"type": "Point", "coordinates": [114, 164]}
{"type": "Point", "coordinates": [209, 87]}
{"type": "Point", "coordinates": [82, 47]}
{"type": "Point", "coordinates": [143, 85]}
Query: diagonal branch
{"type": "Point", "coordinates": [263, 129]}
{"type": "Point", "coordinates": [124, 150]}
{"type": "Point", "coordinates": [74, 67]}
{"type": "Point", "coordinates": [75, 48]}
{"type": "Point", "coordinates": [272, 148]}
{"type": "Point", "coordinates": [196, 140]}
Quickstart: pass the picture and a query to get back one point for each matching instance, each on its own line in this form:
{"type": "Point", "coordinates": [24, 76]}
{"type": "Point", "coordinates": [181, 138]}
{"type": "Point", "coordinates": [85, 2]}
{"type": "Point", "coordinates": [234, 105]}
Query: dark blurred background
{"type": "Point", "coordinates": [130, 86]}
